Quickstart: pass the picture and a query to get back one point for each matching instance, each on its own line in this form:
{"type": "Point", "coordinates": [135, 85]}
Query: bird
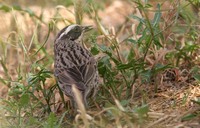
{"type": "Point", "coordinates": [74, 65]}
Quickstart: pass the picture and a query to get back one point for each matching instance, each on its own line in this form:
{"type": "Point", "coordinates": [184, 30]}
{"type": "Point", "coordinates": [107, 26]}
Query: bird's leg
{"type": "Point", "coordinates": [73, 103]}
{"type": "Point", "coordinates": [74, 106]}
{"type": "Point", "coordinates": [85, 101]}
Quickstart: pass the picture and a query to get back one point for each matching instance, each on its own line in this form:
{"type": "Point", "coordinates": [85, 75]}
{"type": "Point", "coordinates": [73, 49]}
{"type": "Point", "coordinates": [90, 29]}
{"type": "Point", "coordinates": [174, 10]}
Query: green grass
{"type": "Point", "coordinates": [156, 44]}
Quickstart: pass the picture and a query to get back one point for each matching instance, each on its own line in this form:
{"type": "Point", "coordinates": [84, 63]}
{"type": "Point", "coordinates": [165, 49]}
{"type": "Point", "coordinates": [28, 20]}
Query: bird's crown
{"type": "Point", "coordinates": [72, 32]}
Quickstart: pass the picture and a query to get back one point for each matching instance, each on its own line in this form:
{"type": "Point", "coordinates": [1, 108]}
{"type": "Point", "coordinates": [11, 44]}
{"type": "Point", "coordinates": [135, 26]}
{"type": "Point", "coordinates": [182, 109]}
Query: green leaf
{"type": "Point", "coordinates": [31, 79]}
{"type": "Point", "coordinates": [188, 117]}
{"type": "Point", "coordinates": [142, 38]}
{"type": "Point", "coordinates": [5, 8]}
{"type": "Point", "coordinates": [51, 121]}
{"type": "Point", "coordinates": [195, 70]}
{"type": "Point", "coordinates": [29, 11]}
{"type": "Point", "coordinates": [94, 50]}
{"type": "Point", "coordinates": [157, 16]}
{"type": "Point", "coordinates": [124, 102]}
{"type": "Point", "coordinates": [104, 65]}
{"type": "Point", "coordinates": [197, 77]}
{"type": "Point", "coordinates": [143, 110]}
{"type": "Point", "coordinates": [138, 18]}
{"type": "Point", "coordinates": [125, 66]}
{"type": "Point", "coordinates": [132, 40]}
{"type": "Point", "coordinates": [139, 29]}
{"type": "Point", "coordinates": [160, 67]}
{"type": "Point", "coordinates": [196, 101]}
{"type": "Point", "coordinates": [24, 100]}
{"type": "Point", "coordinates": [146, 75]}
{"type": "Point", "coordinates": [131, 55]}
{"type": "Point", "coordinates": [17, 7]}
{"type": "Point", "coordinates": [157, 42]}
{"type": "Point", "coordinates": [148, 40]}
{"type": "Point", "coordinates": [148, 5]}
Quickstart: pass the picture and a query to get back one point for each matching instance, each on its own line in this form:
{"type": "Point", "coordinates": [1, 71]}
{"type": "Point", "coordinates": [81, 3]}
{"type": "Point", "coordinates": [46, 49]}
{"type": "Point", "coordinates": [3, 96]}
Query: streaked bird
{"type": "Point", "coordinates": [74, 64]}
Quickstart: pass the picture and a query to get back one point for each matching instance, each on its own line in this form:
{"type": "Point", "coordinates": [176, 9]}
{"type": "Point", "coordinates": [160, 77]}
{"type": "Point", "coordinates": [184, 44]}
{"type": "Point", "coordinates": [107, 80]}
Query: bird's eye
{"type": "Point", "coordinates": [76, 29]}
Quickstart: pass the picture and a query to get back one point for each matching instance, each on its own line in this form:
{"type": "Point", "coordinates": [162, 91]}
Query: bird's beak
{"type": "Point", "coordinates": [87, 28]}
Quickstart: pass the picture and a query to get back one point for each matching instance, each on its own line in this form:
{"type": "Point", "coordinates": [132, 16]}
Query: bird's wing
{"type": "Point", "coordinates": [70, 76]}
{"type": "Point", "coordinates": [78, 75]}
{"type": "Point", "coordinates": [88, 70]}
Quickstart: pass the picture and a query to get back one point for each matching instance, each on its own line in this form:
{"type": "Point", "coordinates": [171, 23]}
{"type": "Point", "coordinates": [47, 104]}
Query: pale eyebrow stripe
{"type": "Point", "coordinates": [67, 30]}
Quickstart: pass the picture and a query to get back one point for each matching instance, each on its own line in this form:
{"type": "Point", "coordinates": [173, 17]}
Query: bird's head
{"type": "Point", "coordinates": [73, 32]}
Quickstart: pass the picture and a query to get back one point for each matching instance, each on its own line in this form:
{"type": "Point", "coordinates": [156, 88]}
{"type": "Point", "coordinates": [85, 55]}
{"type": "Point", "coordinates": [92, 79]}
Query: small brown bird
{"type": "Point", "coordinates": [74, 64]}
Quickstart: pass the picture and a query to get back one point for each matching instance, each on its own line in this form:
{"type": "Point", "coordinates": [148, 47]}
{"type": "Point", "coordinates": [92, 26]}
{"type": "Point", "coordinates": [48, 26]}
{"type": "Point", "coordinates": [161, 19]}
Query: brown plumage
{"type": "Point", "coordinates": [74, 64]}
